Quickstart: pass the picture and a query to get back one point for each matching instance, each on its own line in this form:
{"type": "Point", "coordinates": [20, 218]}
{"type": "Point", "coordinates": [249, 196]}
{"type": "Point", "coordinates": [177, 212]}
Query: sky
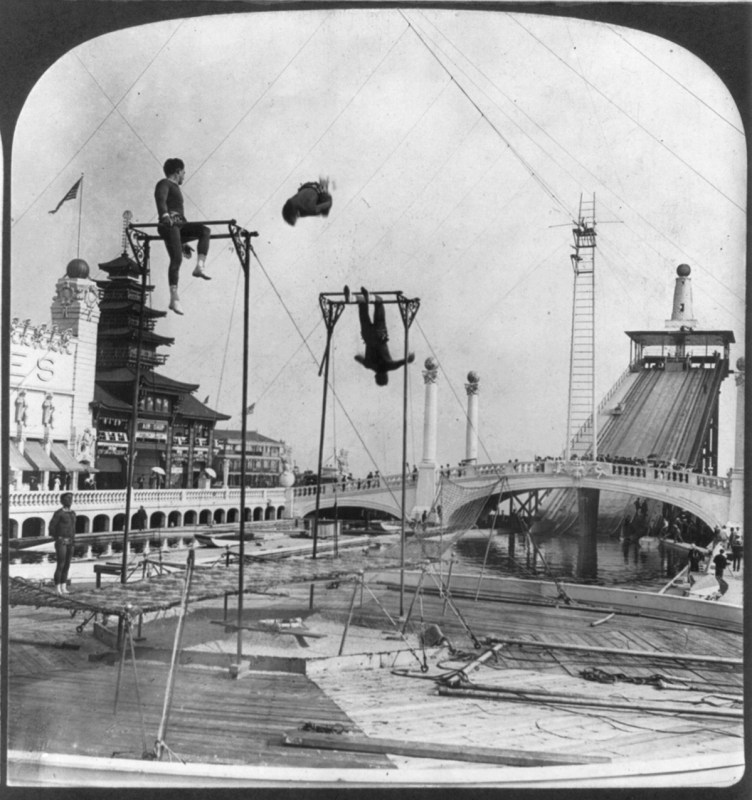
{"type": "Point", "coordinates": [458, 144]}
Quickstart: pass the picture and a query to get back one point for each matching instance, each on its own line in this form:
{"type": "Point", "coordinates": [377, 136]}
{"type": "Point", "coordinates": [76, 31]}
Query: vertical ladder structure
{"type": "Point", "coordinates": [581, 414]}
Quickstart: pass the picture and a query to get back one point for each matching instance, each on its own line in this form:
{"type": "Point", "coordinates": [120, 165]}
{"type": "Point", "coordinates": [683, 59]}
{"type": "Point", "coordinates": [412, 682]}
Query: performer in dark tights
{"type": "Point", "coordinates": [312, 200]}
{"type": "Point", "coordinates": [375, 336]}
{"type": "Point", "coordinates": [176, 231]}
{"type": "Point", "coordinates": [63, 531]}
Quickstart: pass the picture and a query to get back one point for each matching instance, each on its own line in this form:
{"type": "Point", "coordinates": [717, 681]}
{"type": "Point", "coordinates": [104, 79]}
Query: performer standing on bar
{"type": "Point", "coordinates": [176, 231]}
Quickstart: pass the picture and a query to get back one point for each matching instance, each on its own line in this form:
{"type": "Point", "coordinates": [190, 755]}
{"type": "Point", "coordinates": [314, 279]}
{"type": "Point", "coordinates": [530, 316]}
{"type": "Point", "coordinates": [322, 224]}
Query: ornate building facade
{"type": "Point", "coordinates": [52, 376]}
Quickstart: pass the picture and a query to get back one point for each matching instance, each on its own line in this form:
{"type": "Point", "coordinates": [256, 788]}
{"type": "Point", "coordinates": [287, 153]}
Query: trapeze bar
{"type": "Point", "coordinates": [354, 297]}
{"type": "Point", "coordinates": [193, 222]}
{"type": "Point", "coordinates": [135, 226]}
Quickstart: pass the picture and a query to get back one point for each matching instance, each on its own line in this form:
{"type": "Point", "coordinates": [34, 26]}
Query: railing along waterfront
{"type": "Point", "coordinates": [115, 498]}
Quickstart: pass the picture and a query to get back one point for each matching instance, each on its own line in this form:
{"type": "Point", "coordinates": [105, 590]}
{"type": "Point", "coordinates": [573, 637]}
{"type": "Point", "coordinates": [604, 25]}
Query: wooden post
{"type": "Point", "coordinates": [349, 613]}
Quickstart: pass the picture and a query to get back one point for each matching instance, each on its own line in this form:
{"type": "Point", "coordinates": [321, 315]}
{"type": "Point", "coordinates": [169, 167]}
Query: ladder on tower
{"type": "Point", "coordinates": [581, 416]}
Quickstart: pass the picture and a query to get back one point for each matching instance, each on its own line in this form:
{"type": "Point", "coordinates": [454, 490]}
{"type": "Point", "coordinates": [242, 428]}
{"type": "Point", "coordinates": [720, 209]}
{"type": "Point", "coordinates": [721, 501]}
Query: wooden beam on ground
{"type": "Point", "coordinates": [300, 634]}
{"type": "Point", "coordinates": [576, 700]}
{"type": "Point", "coordinates": [736, 662]}
{"type": "Point", "coordinates": [60, 645]}
{"type": "Point", "coordinates": [443, 752]}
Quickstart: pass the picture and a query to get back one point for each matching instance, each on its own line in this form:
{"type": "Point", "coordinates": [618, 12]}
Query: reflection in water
{"type": "Point", "coordinates": [91, 551]}
{"type": "Point", "coordinates": [646, 566]}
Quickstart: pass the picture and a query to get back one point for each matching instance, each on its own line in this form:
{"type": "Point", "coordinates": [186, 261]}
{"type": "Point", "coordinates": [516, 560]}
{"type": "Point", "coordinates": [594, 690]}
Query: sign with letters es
{"type": "Point", "coordinates": [34, 368]}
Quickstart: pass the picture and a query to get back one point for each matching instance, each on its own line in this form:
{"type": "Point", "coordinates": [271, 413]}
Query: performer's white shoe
{"type": "Point", "coordinates": [175, 300]}
{"type": "Point", "coordinates": [198, 272]}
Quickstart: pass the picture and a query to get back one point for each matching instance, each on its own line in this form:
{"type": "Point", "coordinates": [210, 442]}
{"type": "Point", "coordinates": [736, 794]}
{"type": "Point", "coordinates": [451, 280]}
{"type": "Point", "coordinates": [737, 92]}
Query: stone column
{"type": "Point", "coordinates": [471, 438]}
{"type": "Point", "coordinates": [430, 374]}
{"type": "Point", "coordinates": [587, 518]}
{"type": "Point", "coordinates": [426, 488]}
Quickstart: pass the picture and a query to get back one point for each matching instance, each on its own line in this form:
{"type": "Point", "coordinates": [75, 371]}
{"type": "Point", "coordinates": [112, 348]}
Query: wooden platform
{"type": "Point", "coordinates": [62, 702]}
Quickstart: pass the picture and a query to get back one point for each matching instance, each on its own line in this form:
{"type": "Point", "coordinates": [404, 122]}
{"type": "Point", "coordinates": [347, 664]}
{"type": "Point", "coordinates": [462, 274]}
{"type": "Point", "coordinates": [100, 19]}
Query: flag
{"type": "Point", "coordinates": [72, 194]}
{"type": "Point", "coordinates": [250, 408]}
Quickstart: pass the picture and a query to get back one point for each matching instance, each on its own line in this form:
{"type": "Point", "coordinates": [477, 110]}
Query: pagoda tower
{"type": "Point", "coordinates": [174, 431]}
{"type": "Point", "coordinates": [120, 306]}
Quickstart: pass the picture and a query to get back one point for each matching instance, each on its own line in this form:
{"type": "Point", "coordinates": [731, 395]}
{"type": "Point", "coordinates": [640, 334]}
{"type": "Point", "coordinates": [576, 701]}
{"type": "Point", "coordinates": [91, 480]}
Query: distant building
{"type": "Point", "coordinates": [72, 385]}
{"type": "Point", "coordinates": [264, 458]}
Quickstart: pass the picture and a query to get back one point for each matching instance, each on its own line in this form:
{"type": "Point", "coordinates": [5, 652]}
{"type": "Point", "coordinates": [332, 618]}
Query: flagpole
{"type": "Point", "coordinates": [80, 210]}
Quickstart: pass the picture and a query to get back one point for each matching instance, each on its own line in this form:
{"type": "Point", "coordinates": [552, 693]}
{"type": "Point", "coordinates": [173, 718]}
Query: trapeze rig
{"type": "Point", "coordinates": [332, 305]}
{"type": "Point", "coordinates": [140, 236]}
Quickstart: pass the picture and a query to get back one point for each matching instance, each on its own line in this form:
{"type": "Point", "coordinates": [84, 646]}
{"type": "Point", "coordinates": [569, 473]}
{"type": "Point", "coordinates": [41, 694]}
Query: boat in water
{"type": "Point", "coordinates": [208, 539]}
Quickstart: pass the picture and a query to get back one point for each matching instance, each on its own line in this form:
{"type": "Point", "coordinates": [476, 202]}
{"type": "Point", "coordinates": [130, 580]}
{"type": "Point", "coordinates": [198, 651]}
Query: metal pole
{"type": "Point", "coordinates": [329, 329]}
{"type": "Point", "coordinates": [134, 415]}
{"type": "Point", "coordinates": [243, 446]}
{"type": "Point", "coordinates": [404, 462]}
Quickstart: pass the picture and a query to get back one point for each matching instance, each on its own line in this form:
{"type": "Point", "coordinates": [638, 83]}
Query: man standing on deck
{"type": "Point", "coordinates": [721, 562]}
{"type": "Point", "coordinates": [737, 549]}
{"type": "Point", "coordinates": [176, 231]}
{"type": "Point", "coordinates": [141, 518]}
{"type": "Point", "coordinates": [63, 531]}
{"type": "Point", "coordinates": [693, 564]}
{"type": "Point", "coordinates": [375, 336]}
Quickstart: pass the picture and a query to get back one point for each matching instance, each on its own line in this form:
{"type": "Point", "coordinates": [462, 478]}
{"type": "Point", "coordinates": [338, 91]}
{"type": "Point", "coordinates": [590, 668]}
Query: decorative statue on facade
{"type": "Point", "coordinates": [22, 408]}
{"type": "Point", "coordinates": [48, 411]}
{"type": "Point", "coordinates": [86, 445]}
{"type": "Point", "coordinates": [287, 476]}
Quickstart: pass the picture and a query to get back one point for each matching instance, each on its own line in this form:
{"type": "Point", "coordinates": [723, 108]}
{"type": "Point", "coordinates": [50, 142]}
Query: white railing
{"type": "Point", "coordinates": [150, 498]}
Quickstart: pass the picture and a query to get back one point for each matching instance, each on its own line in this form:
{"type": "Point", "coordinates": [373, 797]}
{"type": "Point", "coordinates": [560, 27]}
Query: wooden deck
{"type": "Point", "coordinates": [61, 700]}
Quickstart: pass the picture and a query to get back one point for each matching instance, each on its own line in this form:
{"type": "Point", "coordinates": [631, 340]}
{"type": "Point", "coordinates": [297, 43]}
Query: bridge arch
{"type": "Point", "coordinates": [706, 497]}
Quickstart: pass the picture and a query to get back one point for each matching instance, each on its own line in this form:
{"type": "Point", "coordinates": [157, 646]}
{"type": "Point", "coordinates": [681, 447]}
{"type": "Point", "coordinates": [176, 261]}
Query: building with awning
{"type": "Point", "coordinates": [16, 460]}
{"type": "Point", "coordinates": [38, 457]}
{"type": "Point", "coordinates": [65, 460]}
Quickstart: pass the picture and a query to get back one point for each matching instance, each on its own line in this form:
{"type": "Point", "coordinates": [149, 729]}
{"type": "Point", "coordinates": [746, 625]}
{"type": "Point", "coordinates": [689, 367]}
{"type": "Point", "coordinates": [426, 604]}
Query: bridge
{"type": "Point", "coordinates": [708, 497]}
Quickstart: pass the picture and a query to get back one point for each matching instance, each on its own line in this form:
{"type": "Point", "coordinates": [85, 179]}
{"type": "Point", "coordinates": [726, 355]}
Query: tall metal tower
{"type": "Point", "coordinates": [581, 414]}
